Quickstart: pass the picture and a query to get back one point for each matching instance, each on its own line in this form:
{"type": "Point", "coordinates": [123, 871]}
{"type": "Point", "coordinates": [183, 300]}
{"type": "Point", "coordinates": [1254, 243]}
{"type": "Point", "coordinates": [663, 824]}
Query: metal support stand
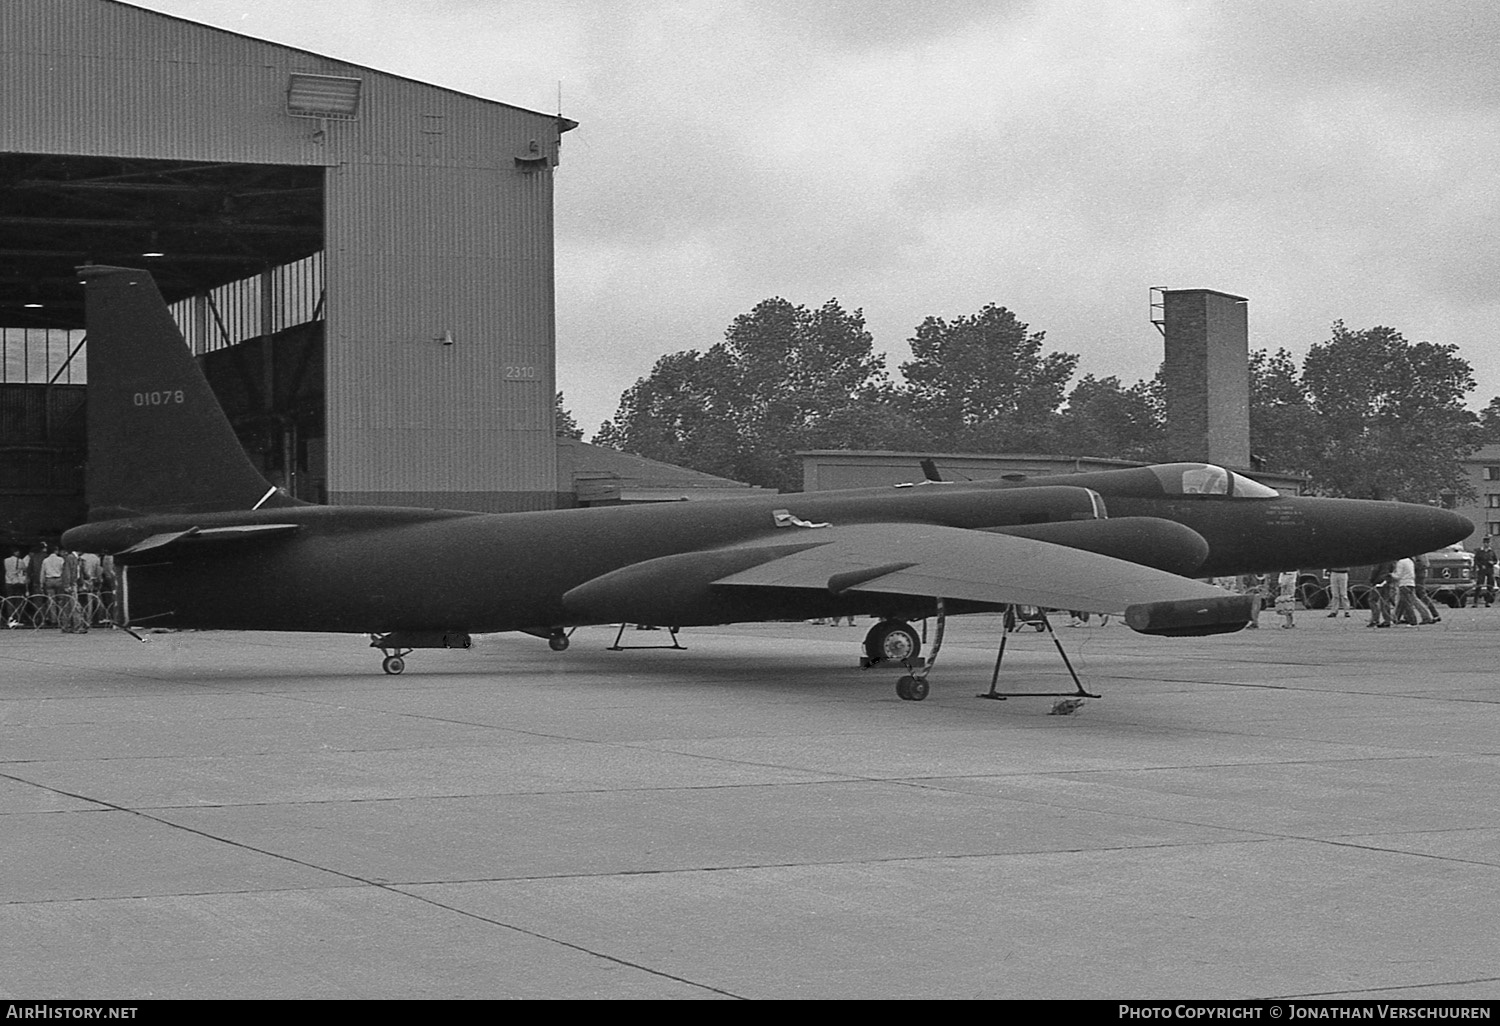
{"type": "Point", "coordinates": [1000, 655]}
{"type": "Point", "coordinates": [617, 647]}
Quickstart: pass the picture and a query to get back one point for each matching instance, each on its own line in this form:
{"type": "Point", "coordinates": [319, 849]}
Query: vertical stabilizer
{"type": "Point", "coordinates": [158, 440]}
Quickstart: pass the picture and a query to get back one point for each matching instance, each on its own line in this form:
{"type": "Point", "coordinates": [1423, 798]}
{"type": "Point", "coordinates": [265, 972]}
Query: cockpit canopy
{"type": "Point", "coordinates": [1207, 479]}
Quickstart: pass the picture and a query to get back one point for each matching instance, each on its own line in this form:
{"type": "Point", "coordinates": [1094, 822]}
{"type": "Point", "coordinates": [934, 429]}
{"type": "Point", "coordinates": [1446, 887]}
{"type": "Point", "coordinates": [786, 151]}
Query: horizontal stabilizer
{"type": "Point", "coordinates": [196, 541]}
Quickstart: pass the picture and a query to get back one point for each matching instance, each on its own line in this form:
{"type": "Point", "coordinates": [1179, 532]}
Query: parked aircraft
{"type": "Point", "coordinates": [203, 541]}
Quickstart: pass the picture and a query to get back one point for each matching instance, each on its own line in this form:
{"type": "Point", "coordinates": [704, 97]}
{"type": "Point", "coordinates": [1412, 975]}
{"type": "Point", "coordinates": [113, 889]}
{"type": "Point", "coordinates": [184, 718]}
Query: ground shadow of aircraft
{"type": "Point", "coordinates": [203, 541]}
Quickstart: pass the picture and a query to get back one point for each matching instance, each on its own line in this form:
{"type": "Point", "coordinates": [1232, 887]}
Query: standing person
{"type": "Point", "coordinates": [1424, 600]}
{"type": "Point", "coordinates": [1380, 595]}
{"type": "Point", "coordinates": [53, 567]}
{"type": "Point", "coordinates": [1254, 585]}
{"type": "Point", "coordinates": [70, 616]}
{"type": "Point", "coordinates": [90, 569]}
{"type": "Point", "coordinates": [1484, 573]}
{"type": "Point", "coordinates": [1286, 597]}
{"type": "Point", "coordinates": [34, 576]}
{"type": "Point", "coordinates": [1407, 610]}
{"type": "Point", "coordinates": [17, 569]}
{"type": "Point", "coordinates": [108, 584]}
{"type": "Point", "coordinates": [1338, 591]}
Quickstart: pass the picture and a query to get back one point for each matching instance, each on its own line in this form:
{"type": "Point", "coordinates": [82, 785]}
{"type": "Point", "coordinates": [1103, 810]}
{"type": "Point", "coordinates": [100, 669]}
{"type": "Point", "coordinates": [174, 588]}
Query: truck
{"type": "Point", "coordinates": [1450, 578]}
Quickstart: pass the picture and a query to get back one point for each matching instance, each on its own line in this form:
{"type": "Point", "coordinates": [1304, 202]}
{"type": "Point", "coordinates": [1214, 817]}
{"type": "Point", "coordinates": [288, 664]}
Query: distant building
{"type": "Point", "coordinates": [1483, 470]}
{"type": "Point", "coordinates": [605, 477]}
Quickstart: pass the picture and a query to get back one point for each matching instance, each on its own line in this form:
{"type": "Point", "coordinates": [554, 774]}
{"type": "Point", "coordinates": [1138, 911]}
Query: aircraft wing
{"type": "Point", "coordinates": [954, 563]}
{"type": "Point", "coordinates": [908, 559]}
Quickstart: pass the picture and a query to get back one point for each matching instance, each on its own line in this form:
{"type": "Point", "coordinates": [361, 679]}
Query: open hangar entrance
{"type": "Point", "coordinates": [363, 262]}
{"type": "Point", "coordinates": [235, 248]}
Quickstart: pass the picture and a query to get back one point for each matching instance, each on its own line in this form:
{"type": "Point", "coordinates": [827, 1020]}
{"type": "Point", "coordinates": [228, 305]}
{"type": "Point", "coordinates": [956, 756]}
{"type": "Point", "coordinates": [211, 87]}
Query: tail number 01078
{"type": "Point", "coordinates": [170, 398]}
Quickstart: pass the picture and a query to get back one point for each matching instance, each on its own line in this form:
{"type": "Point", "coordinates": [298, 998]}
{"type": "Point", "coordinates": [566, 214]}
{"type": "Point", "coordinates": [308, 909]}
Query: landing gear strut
{"type": "Point", "coordinates": [396, 645]}
{"type": "Point", "coordinates": [894, 641]}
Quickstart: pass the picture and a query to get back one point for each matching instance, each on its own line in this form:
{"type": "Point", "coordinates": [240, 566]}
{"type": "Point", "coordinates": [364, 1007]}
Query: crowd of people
{"type": "Point", "coordinates": [49, 586]}
{"type": "Point", "coordinates": [1396, 593]}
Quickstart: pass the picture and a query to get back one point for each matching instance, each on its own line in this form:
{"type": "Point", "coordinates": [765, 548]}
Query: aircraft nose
{"type": "Point", "coordinates": [1360, 531]}
{"type": "Point", "coordinates": [1432, 528]}
{"type": "Point", "coordinates": [1452, 525]}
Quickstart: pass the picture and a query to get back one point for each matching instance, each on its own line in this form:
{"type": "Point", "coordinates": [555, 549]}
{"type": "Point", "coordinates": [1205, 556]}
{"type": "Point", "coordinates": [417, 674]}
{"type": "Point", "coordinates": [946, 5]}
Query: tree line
{"type": "Point", "coordinates": [1368, 414]}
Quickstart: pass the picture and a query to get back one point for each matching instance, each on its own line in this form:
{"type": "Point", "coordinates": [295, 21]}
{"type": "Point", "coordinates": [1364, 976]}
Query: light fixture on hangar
{"type": "Point", "coordinates": [325, 97]}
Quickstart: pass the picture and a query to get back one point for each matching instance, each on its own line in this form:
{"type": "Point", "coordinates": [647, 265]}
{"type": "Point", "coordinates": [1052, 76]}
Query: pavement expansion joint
{"type": "Point", "coordinates": [583, 949]}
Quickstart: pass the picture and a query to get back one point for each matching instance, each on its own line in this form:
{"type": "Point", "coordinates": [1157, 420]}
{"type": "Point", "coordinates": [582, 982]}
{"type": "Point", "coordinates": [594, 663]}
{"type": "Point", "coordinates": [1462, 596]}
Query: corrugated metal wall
{"type": "Point", "coordinates": [462, 254]}
{"type": "Point", "coordinates": [432, 229]}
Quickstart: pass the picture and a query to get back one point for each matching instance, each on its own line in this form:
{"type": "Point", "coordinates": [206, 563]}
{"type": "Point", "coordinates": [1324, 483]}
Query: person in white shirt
{"type": "Point", "coordinates": [17, 567]}
{"type": "Point", "coordinates": [17, 573]}
{"type": "Point", "coordinates": [1408, 611]}
{"type": "Point", "coordinates": [53, 566]}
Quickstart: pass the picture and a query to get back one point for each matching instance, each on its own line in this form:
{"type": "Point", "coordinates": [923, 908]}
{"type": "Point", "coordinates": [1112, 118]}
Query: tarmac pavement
{"type": "Point", "coordinates": [1279, 813]}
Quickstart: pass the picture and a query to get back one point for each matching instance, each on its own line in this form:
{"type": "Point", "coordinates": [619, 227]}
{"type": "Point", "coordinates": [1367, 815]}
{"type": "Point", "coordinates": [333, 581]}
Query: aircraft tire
{"type": "Point", "coordinates": [903, 688]}
{"type": "Point", "coordinates": [558, 642]}
{"type": "Point", "coordinates": [918, 689]}
{"type": "Point", "coordinates": [892, 641]}
{"type": "Point", "coordinates": [393, 664]}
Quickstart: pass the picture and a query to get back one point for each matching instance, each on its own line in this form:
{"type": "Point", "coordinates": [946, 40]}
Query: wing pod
{"type": "Point", "coordinates": [1187, 618]}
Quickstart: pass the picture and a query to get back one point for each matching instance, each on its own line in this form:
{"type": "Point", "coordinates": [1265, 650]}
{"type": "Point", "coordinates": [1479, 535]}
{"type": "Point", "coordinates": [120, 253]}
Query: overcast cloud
{"type": "Point", "coordinates": [1333, 159]}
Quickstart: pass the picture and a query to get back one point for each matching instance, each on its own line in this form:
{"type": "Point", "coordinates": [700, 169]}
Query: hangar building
{"type": "Point", "coordinates": [365, 261]}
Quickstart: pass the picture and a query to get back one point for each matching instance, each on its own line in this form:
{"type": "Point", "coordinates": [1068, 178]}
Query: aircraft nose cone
{"type": "Point", "coordinates": [1425, 528]}
{"type": "Point", "coordinates": [1360, 531]}
{"type": "Point", "coordinates": [1450, 525]}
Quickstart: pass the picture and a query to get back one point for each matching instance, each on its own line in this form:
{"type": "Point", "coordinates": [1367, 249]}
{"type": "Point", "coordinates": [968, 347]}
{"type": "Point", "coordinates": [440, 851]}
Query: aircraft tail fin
{"type": "Point", "coordinates": [159, 441]}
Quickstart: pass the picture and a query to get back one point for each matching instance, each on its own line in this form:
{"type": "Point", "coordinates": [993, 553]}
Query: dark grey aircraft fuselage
{"type": "Point", "coordinates": [377, 569]}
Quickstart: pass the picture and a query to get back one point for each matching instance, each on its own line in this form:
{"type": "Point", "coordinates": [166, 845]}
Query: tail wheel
{"type": "Point", "coordinates": [393, 664]}
{"type": "Point", "coordinates": [912, 689]}
{"type": "Point", "coordinates": [892, 641]}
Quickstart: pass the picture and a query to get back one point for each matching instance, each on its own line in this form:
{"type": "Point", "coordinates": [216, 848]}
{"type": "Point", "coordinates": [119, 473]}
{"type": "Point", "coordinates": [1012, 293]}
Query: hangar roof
{"type": "Point", "coordinates": [214, 221]}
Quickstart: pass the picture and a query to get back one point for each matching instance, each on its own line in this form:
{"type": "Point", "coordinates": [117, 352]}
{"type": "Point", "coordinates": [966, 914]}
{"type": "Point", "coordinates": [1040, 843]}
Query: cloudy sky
{"type": "Point", "coordinates": [1327, 159]}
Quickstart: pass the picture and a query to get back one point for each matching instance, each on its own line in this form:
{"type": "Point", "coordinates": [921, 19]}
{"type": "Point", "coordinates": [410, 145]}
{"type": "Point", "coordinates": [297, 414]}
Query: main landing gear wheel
{"type": "Point", "coordinates": [892, 641]}
{"type": "Point", "coordinates": [393, 664]}
{"type": "Point", "coordinates": [557, 642]}
{"type": "Point", "coordinates": [912, 689]}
